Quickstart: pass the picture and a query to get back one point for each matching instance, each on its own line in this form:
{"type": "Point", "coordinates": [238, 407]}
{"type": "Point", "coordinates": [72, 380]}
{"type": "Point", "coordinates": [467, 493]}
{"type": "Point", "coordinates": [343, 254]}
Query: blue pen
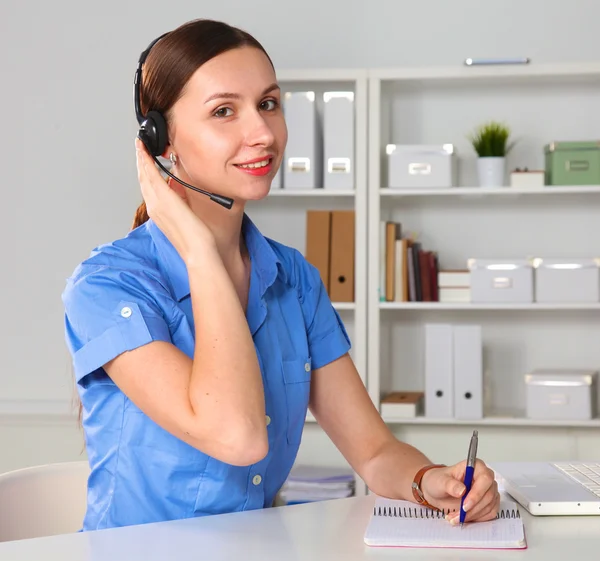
{"type": "Point", "coordinates": [471, 457]}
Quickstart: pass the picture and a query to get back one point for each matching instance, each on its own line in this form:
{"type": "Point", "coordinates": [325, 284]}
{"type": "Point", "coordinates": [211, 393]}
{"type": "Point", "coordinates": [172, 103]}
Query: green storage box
{"type": "Point", "coordinates": [573, 163]}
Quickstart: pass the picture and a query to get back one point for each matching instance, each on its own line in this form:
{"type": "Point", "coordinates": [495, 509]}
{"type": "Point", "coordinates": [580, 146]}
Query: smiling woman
{"type": "Point", "coordinates": [198, 344]}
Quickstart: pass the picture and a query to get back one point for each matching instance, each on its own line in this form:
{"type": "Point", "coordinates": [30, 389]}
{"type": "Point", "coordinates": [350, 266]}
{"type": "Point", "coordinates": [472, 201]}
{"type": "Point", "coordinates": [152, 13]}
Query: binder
{"type": "Point", "coordinates": [439, 391]}
{"type": "Point", "coordinates": [338, 140]}
{"type": "Point", "coordinates": [341, 280]}
{"type": "Point", "coordinates": [468, 372]}
{"type": "Point", "coordinates": [302, 158]}
{"type": "Point", "coordinates": [318, 242]}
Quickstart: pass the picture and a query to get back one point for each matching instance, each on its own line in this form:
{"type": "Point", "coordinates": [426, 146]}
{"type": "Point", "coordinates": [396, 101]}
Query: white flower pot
{"type": "Point", "coordinates": [491, 172]}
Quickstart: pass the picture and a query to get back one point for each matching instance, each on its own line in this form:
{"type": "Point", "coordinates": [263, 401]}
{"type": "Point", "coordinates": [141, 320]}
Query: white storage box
{"type": "Point", "coordinates": [524, 179]}
{"type": "Point", "coordinates": [421, 166]}
{"type": "Point", "coordinates": [562, 394]}
{"type": "Point", "coordinates": [402, 404]}
{"type": "Point", "coordinates": [501, 280]}
{"type": "Point", "coordinates": [567, 280]}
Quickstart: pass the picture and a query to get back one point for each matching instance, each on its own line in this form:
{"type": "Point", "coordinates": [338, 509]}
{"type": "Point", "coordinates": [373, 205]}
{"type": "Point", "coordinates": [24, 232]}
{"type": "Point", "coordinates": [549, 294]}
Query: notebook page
{"type": "Point", "coordinates": [433, 532]}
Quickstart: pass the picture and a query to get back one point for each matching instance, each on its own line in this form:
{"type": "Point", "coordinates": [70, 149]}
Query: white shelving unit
{"type": "Point", "coordinates": [541, 103]}
{"type": "Point", "coordinates": [282, 216]}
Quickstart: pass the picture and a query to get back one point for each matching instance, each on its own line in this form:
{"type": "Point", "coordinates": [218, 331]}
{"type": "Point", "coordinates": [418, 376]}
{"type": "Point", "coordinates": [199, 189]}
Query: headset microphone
{"type": "Point", "coordinates": [153, 131]}
{"type": "Point", "coordinates": [223, 201]}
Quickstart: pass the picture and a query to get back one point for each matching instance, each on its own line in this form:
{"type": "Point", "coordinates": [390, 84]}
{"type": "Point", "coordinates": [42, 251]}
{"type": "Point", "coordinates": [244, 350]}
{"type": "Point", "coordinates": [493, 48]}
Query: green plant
{"type": "Point", "coordinates": [491, 140]}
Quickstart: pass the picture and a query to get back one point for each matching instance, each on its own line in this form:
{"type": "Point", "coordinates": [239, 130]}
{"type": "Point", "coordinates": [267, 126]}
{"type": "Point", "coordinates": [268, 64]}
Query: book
{"type": "Point", "coordinates": [398, 523]}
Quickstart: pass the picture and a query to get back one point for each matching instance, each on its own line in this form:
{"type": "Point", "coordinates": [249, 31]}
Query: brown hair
{"type": "Point", "coordinates": [172, 61]}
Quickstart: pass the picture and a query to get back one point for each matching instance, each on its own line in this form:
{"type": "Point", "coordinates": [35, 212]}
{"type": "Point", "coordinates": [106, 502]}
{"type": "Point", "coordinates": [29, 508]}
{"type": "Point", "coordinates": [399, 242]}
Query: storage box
{"type": "Point", "coordinates": [572, 163]}
{"type": "Point", "coordinates": [562, 394]}
{"type": "Point", "coordinates": [501, 280]}
{"type": "Point", "coordinates": [567, 280]}
{"type": "Point", "coordinates": [525, 179]}
{"type": "Point", "coordinates": [421, 166]}
{"type": "Point", "coordinates": [403, 404]}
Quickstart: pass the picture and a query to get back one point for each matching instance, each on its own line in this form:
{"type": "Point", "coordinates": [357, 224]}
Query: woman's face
{"type": "Point", "coordinates": [228, 129]}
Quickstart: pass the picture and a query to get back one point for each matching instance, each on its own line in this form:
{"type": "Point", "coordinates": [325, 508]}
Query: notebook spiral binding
{"type": "Point", "coordinates": [420, 512]}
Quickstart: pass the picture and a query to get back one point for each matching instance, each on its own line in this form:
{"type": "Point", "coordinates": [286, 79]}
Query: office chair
{"type": "Point", "coordinates": [43, 500]}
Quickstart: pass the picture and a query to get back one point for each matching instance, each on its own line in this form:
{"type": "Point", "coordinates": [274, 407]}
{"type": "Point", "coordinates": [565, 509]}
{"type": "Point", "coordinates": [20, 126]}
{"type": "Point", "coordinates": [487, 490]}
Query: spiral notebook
{"type": "Point", "coordinates": [396, 523]}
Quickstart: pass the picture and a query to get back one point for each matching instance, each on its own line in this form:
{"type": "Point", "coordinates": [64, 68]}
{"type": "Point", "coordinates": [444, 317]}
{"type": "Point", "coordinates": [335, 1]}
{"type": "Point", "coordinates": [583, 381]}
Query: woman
{"type": "Point", "coordinates": [198, 343]}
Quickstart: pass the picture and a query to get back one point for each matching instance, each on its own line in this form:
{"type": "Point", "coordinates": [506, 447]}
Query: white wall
{"type": "Point", "coordinates": [69, 176]}
{"type": "Point", "coordinates": [27, 440]}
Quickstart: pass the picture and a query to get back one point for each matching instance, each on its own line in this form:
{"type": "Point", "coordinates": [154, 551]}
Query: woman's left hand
{"type": "Point", "coordinates": [444, 487]}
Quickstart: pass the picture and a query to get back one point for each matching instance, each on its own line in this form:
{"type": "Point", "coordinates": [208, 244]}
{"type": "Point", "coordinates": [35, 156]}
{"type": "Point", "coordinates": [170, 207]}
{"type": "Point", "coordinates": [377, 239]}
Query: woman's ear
{"type": "Point", "coordinates": [169, 154]}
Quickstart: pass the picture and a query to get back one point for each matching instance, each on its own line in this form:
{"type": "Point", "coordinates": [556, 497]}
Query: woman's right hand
{"type": "Point", "coordinates": [168, 210]}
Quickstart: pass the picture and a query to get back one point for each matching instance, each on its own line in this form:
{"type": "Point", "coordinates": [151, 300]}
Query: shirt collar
{"type": "Point", "coordinates": [266, 265]}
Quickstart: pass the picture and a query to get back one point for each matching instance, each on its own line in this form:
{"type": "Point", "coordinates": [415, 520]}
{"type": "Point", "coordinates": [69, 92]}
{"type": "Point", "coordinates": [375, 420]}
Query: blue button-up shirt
{"type": "Point", "coordinates": [136, 290]}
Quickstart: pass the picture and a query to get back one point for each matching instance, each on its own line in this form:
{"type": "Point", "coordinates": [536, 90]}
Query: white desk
{"type": "Point", "coordinates": [330, 530]}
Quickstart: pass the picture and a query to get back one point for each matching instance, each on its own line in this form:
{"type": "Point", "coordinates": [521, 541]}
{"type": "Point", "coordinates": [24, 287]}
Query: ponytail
{"type": "Point", "coordinates": [141, 216]}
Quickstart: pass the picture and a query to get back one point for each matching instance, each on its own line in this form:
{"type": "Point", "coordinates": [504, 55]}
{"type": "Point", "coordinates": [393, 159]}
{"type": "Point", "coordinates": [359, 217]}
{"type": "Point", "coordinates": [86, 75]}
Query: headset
{"type": "Point", "coordinates": [153, 130]}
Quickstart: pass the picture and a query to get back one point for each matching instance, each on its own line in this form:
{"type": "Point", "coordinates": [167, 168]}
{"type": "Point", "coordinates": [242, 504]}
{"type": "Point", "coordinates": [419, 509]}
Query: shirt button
{"type": "Point", "coordinates": [268, 419]}
{"type": "Point", "coordinates": [256, 479]}
{"type": "Point", "coordinates": [126, 312]}
{"type": "Point", "coordinates": [307, 367]}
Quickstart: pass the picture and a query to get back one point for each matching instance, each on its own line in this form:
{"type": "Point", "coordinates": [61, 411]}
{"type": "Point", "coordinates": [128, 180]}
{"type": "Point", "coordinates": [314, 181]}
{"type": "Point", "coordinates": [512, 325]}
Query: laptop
{"type": "Point", "coordinates": [552, 488]}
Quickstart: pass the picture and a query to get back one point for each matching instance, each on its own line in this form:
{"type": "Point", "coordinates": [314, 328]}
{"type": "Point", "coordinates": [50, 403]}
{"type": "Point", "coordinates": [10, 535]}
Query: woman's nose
{"type": "Point", "coordinates": [259, 131]}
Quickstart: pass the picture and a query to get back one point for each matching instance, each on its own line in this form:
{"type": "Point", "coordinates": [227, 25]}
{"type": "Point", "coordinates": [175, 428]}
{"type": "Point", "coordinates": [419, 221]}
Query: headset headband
{"type": "Point", "coordinates": [137, 82]}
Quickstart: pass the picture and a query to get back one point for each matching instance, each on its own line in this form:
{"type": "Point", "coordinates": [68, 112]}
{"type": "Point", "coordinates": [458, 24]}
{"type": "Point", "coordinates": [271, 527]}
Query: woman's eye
{"type": "Point", "coordinates": [222, 112]}
{"type": "Point", "coordinates": [269, 104]}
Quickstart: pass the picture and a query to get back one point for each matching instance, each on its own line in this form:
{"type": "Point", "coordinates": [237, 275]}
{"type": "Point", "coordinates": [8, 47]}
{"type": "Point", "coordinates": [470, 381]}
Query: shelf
{"type": "Point", "coordinates": [491, 306]}
{"type": "Point", "coordinates": [321, 74]}
{"type": "Point", "coordinates": [344, 305]}
{"type": "Point", "coordinates": [589, 70]}
{"type": "Point", "coordinates": [489, 191]}
{"type": "Point", "coordinates": [494, 420]}
{"type": "Point", "coordinates": [316, 192]}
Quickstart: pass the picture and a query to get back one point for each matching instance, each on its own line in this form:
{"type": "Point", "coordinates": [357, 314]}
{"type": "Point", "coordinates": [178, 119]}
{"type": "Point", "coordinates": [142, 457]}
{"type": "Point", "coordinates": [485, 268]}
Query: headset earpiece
{"type": "Point", "coordinates": [153, 133]}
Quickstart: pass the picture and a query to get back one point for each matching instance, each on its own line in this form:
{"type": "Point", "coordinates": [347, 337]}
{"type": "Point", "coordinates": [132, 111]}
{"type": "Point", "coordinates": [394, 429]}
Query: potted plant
{"type": "Point", "coordinates": [490, 141]}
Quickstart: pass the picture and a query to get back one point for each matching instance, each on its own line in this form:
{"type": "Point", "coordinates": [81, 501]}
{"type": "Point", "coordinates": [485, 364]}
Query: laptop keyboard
{"type": "Point", "coordinates": [586, 474]}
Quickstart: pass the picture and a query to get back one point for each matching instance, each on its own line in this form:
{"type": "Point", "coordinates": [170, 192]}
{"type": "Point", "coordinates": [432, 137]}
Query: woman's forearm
{"type": "Point", "coordinates": [391, 471]}
{"type": "Point", "coordinates": [226, 389]}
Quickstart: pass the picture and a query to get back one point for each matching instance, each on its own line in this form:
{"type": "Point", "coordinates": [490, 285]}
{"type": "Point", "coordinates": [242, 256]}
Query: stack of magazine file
{"type": "Point", "coordinates": [307, 483]}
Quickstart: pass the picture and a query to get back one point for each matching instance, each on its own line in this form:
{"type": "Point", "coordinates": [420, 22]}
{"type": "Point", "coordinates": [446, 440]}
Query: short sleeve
{"type": "Point", "coordinates": [108, 312]}
{"type": "Point", "coordinates": [327, 335]}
